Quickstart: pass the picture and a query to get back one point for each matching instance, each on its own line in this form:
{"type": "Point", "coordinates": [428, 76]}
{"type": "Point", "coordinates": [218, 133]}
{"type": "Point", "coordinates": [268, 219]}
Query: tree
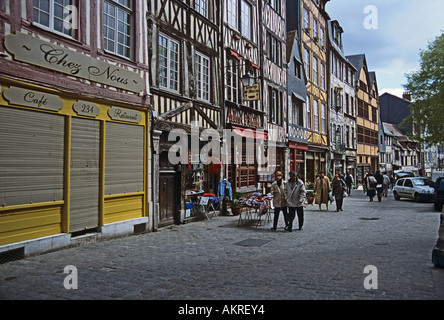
{"type": "Point", "coordinates": [427, 89]}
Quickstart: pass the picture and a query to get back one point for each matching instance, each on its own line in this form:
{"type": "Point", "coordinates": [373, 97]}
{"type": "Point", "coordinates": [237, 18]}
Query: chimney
{"type": "Point", "coordinates": [407, 96]}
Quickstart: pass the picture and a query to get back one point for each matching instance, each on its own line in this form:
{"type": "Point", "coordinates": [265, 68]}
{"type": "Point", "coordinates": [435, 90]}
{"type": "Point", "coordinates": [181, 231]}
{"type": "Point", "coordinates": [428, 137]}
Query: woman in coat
{"type": "Point", "coordinates": [321, 189]}
{"type": "Point", "coordinates": [338, 189]}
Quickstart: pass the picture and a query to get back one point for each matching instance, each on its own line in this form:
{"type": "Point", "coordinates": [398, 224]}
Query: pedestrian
{"type": "Point", "coordinates": [380, 184]}
{"type": "Point", "coordinates": [392, 182]}
{"type": "Point", "coordinates": [279, 203]}
{"type": "Point", "coordinates": [385, 185]}
{"type": "Point", "coordinates": [338, 189]}
{"type": "Point", "coordinates": [370, 185]}
{"type": "Point", "coordinates": [349, 182]}
{"type": "Point", "coordinates": [322, 189]}
{"type": "Point", "coordinates": [295, 197]}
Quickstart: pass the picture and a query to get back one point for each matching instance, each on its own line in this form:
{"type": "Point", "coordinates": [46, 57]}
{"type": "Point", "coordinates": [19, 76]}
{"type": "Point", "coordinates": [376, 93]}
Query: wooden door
{"type": "Point", "coordinates": [167, 196]}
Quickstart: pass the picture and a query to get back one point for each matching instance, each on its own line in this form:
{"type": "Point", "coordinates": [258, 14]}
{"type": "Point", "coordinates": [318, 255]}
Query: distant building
{"type": "Point", "coordinates": [367, 100]}
{"type": "Point", "coordinates": [297, 110]}
{"type": "Point", "coordinates": [342, 109]}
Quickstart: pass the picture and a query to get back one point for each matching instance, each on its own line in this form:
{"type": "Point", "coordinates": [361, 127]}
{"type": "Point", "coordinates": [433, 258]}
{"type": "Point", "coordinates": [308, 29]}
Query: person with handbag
{"type": "Point", "coordinates": [279, 204]}
{"type": "Point", "coordinates": [338, 190]}
{"type": "Point", "coordinates": [295, 197]}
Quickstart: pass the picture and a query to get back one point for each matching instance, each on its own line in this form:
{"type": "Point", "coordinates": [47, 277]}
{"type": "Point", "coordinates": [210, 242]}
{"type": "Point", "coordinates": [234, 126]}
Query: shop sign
{"type": "Point", "coordinates": [252, 93]}
{"type": "Point", "coordinates": [126, 115]}
{"type": "Point", "coordinates": [87, 109]}
{"type": "Point", "coordinates": [33, 99]}
{"type": "Point", "coordinates": [237, 116]}
{"type": "Point", "coordinates": [50, 56]}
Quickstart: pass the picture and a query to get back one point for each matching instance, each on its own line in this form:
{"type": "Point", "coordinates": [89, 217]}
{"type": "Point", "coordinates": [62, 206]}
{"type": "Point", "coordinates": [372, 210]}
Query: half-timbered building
{"type": "Point", "coordinates": [297, 95]}
{"type": "Point", "coordinates": [274, 83]}
{"type": "Point", "coordinates": [314, 54]}
{"type": "Point", "coordinates": [367, 120]}
{"type": "Point", "coordinates": [183, 49]}
{"type": "Point", "coordinates": [74, 122]}
{"type": "Point", "coordinates": [243, 116]}
{"type": "Point", "coordinates": [342, 107]}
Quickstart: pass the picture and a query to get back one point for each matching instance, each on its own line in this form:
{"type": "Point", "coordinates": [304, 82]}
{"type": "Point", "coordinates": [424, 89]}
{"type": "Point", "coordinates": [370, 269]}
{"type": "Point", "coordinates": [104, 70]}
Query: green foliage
{"type": "Point", "coordinates": [427, 88]}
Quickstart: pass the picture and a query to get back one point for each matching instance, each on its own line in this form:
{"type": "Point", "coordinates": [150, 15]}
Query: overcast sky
{"type": "Point", "coordinates": [391, 42]}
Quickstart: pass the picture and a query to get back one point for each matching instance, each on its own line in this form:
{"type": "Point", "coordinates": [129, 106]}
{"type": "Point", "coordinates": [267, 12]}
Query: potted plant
{"type": "Point", "coordinates": [235, 207]}
{"type": "Point", "coordinates": [310, 194]}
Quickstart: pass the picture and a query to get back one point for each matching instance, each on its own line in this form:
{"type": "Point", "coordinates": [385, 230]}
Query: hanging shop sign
{"type": "Point", "coordinates": [252, 93]}
{"type": "Point", "coordinates": [33, 99]}
{"type": "Point", "coordinates": [50, 56]}
{"type": "Point", "coordinates": [126, 115]}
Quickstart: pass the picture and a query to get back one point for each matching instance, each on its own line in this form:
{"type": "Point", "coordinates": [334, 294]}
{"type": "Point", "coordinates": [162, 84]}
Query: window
{"type": "Point", "coordinates": [50, 13]}
{"type": "Point", "coordinates": [322, 38]}
{"type": "Point", "coordinates": [168, 63]}
{"type": "Point", "coordinates": [297, 114]}
{"type": "Point", "coordinates": [307, 63]}
{"type": "Point", "coordinates": [297, 69]}
{"type": "Point", "coordinates": [117, 31]}
{"type": "Point", "coordinates": [232, 13]}
{"type": "Point", "coordinates": [315, 115]}
{"type": "Point", "coordinates": [246, 19]}
{"type": "Point", "coordinates": [232, 81]}
{"type": "Point", "coordinates": [315, 71]}
{"type": "Point", "coordinates": [306, 18]}
{"type": "Point", "coordinates": [323, 117]}
{"type": "Point", "coordinates": [308, 113]}
{"type": "Point", "coordinates": [201, 6]}
{"type": "Point", "coordinates": [275, 106]}
{"type": "Point", "coordinates": [315, 28]}
{"type": "Point", "coordinates": [274, 49]}
{"type": "Point", "coordinates": [322, 76]}
{"type": "Point", "coordinates": [275, 4]}
{"type": "Point", "coordinates": [202, 76]}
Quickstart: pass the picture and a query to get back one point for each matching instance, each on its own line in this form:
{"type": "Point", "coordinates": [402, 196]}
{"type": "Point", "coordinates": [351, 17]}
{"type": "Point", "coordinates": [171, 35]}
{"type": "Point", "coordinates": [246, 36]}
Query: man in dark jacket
{"type": "Point", "coordinates": [379, 187]}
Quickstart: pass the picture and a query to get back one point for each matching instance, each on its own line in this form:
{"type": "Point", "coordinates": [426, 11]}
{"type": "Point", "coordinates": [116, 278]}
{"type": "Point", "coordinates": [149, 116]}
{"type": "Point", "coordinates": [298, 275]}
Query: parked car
{"type": "Point", "coordinates": [438, 195]}
{"type": "Point", "coordinates": [417, 188]}
{"type": "Point", "coordinates": [437, 174]}
{"type": "Point", "coordinates": [403, 174]}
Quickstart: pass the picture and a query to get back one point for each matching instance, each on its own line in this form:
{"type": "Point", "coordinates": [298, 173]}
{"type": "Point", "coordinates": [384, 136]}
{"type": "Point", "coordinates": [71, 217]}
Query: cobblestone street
{"type": "Point", "coordinates": [208, 260]}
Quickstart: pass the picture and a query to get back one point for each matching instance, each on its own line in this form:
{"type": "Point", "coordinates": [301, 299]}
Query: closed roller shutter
{"type": "Point", "coordinates": [124, 158]}
{"type": "Point", "coordinates": [84, 186]}
{"type": "Point", "coordinates": [31, 156]}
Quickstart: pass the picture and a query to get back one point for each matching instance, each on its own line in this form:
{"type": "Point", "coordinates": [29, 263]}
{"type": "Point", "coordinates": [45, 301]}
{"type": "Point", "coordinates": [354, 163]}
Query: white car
{"type": "Point", "coordinates": [417, 188]}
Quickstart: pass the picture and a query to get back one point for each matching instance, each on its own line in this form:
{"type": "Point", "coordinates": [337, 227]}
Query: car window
{"type": "Point", "coordinates": [400, 182]}
{"type": "Point", "coordinates": [408, 183]}
{"type": "Point", "coordinates": [418, 182]}
{"type": "Point", "coordinates": [441, 184]}
{"type": "Point", "coordinates": [429, 182]}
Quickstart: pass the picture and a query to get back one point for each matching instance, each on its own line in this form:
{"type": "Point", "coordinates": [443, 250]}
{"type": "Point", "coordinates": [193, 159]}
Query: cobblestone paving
{"type": "Point", "coordinates": [202, 260]}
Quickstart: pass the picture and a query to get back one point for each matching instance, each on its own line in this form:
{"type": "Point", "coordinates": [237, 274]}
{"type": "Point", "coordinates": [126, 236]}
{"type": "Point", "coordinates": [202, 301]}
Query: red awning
{"type": "Point", "coordinates": [235, 54]}
{"type": "Point", "coordinates": [250, 133]}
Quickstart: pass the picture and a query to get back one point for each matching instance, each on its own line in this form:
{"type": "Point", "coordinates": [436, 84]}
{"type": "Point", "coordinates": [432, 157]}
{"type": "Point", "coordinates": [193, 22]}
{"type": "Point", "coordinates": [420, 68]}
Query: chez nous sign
{"type": "Point", "coordinates": [47, 55]}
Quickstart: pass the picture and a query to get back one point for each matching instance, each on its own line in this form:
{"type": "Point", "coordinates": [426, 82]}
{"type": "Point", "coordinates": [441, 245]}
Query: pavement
{"type": "Point", "coordinates": [371, 250]}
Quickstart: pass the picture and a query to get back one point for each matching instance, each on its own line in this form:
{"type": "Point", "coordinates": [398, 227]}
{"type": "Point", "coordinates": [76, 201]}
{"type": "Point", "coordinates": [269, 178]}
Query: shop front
{"type": "Point", "coordinates": [69, 164]}
{"type": "Point", "coordinates": [297, 157]}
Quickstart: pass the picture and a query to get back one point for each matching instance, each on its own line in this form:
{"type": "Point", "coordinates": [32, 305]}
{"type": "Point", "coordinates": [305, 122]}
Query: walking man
{"type": "Point", "coordinates": [279, 204]}
{"type": "Point", "coordinates": [349, 182]}
{"type": "Point", "coordinates": [295, 196]}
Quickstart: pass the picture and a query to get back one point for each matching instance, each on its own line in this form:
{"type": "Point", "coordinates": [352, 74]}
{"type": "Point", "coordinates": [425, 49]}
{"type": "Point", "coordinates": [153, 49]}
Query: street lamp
{"type": "Point", "coordinates": [248, 80]}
